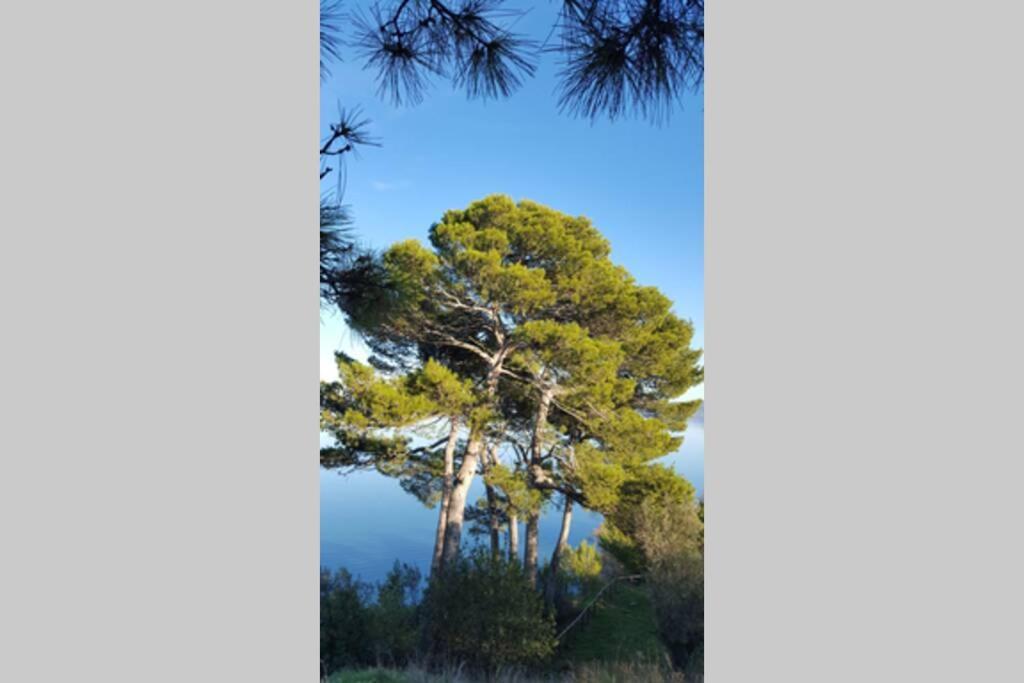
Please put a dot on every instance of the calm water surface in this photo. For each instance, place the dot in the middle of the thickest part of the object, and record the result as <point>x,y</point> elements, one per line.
<point>367,521</point>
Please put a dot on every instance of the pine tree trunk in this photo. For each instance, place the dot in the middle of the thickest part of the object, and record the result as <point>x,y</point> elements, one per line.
<point>540,419</point>
<point>460,491</point>
<point>513,538</point>
<point>493,523</point>
<point>563,542</point>
<point>446,496</point>
<point>533,520</point>
<point>532,536</point>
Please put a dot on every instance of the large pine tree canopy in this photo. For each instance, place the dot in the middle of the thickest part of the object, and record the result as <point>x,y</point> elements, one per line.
<point>512,326</point>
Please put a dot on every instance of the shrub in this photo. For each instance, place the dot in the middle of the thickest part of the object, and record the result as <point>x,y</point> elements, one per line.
<point>653,488</point>
<point>670,534</point>
<point>356,631</point>
<point>483,612</point>
<point>582,567</point>
<point>657,529</point>
<point>393,626</point>
<point>343,620</point>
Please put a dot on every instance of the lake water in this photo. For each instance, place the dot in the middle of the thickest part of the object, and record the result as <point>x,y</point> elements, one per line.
<point>367,521</point>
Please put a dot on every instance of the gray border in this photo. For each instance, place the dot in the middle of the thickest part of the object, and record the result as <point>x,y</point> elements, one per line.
<point>863,325</point>
<point>159,501</point>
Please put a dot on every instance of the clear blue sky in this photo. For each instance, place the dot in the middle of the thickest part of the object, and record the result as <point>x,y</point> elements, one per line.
<point>642,185</point>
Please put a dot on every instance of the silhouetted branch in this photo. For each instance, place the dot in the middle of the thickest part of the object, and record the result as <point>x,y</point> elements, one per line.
<point>618,56</point>
<point>409,41</point>
<point>629,55</point>
<point>331,19</point>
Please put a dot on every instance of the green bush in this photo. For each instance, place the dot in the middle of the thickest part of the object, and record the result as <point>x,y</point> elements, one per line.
<point>485,614</point>
<point>671,536</point>
<point>394,628</point>
<point>357,631</point>
<point>344,620</point>
<point>653,488</point>
<point>657,529</point>
<point>583,564</point>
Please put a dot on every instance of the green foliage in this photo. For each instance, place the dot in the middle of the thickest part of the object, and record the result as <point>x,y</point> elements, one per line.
<point>599,473</point>
<point>623,628</point>
<point>622,547</point>
<point>657,529</point>
<point>483,612</point>
<point>635,439</point>
<point>583,561</point>
<point>361,411</point>
<point>447,392</point>
<point>591,671</point>
<point>666,541</point>
<point>393,626</point>
<point>647,489</point>
<point>483,615</point>
<point>409,267</point>
<point>563,355</point>
<point>343,620</point>
<point>519,496</point>
<point>671,537</point>
<point>582,567</point>
<point>356,630</point>
<point>369,676</point>
<point>373,419</point>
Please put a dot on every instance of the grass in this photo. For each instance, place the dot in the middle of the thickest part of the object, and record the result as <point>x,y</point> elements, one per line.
<point>620,672</point>
<point>368,676</point>
<point>623,628</point>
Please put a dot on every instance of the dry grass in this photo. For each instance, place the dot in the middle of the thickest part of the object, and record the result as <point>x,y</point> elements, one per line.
<point>621,672</point>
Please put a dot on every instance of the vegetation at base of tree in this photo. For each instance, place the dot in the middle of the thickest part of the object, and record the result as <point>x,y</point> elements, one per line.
<point>482,612</point>
<point>615,672</point>
<point>626,533</point>
<point>362,624</point>
<point>663,536</point>
<point>671,536</point>
<point>581,569</point>
<point>482,619</point>
<point>623,628</point>
<point>483,616</point>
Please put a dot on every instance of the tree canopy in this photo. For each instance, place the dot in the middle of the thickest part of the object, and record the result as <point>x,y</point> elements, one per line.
<point>514,330</point>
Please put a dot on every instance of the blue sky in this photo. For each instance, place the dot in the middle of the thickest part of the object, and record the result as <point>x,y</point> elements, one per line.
<point>640,184</point>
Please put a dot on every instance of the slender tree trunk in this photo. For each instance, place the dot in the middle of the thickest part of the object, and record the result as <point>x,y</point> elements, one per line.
<point>532,522</point>
<point>493,524</point>
<point>540,419</point>
<point>563,542</point>
<point>532,536</point>
<point>460,491</point>
<point>446,496</point>
<point>513,537</point>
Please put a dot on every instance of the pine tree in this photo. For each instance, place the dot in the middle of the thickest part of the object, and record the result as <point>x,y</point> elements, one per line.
<point>517,329</point>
